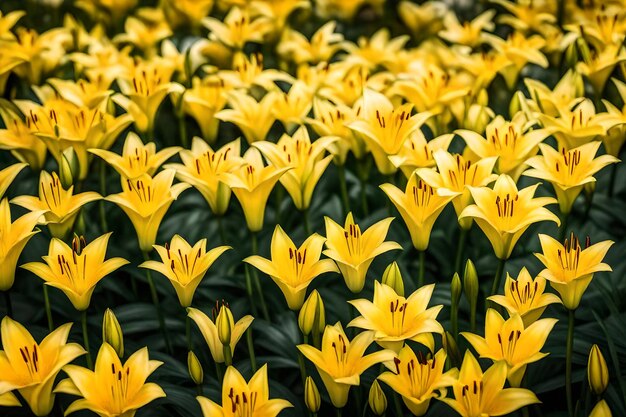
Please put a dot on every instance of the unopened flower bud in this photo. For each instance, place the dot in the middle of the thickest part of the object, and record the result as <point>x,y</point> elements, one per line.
<point>451,348</point>
<point>69,167</point>
<point>224,323</point>
<point>112,332</point>
<point>597,371</point>
<point>456,288</point>
<point>470,282</point>
<point>393,278</point>
<point>312,315</point>
<point>312,395</point>
<point>195,368</point>
<point>377,399</point>
<point>601,410</point>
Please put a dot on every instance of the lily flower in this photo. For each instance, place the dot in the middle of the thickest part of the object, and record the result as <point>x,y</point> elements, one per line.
<point>597,67</point>
<point>379,49</point>
<point>418,379</point>
<point>322,46</point>
<point>8,174</point>
<point>137,159</point>
<point>505,212</point>
<point>184,265</point>
<point>145,30</point>
<point>353,251</point>
<point>570,267</point>
<point>510,141</point>
<point>145,201</point>
<point>417,152</point>
<point>15,236</point>
<point>30,367</point>
<point>566,92</point>
<point>615,121</point>
<point>181,13</point>
<point>210,333</point>
<point>341,362</point>
<point>525,296</point>
<point>385,128</point>
<point>112,389</point>
<point>291,108</point>
<point>293,268</point>
<point>455,175</point>
<point>304,161</point>
<point>395,319</point>
<point>568,171</point>
<point>419,205</point>
<point>8,399</point>
<point>18,138</point>
<point>511,342</point>
<point>90,94</point>
<point>202,101</point>
<point>576,126</point>
<point>76,270</point>
<point>252,183</point>
<point>240,398</point>
<point>253,118</point>
<point>238,28</point>
<point>203,169</point>
<point>59,206</point>
<point>248,73</point>
<point>470,32</point>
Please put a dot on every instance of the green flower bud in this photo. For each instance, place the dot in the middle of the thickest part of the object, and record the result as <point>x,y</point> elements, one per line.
<point>312,315</point>
<point>456,288</point>
<point>393,278</point>
<point>112,332</point>
<point>597,371</point>
<point>224,323</point>
<point>195,368</point>
<point>69,167</point>
<point>451,348</point>
<point>470,282</point>
<point>377,399</point>
<point>601,410</point>
<point>312,395</point>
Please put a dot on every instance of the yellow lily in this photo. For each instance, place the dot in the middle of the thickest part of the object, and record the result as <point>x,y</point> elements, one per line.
<point>576,126</point>
<point>240,398</point>
<point>455,175</point>
<point>483,66</point>
<point>248,73</point>
<point>76,270</point>
<point>184,265</point>
<point>137,159</point>
<point>525,296</point>
<point>103,62</point>
<point>526,15</point>
<point>238,28</point>
<point>566,92</point>
<point>7,21</point>
<point>15,236</point>
<point>510,141</point>
<point>569,170</point>
<point>322,46</point>
<point>379,49</point>
<point>145,30</point>
<point>293,268</point>
<point>569,267</point>
<point>83,93</point>
<point>18,138</point>
<point>511,342</point>
<point>31,367</point>
<point>418,379</point>
<point>419,205</point>
<point>8,399</point>
<point>598,67</point>
<point>143,90</point>
<point>483,395</point>
<point>181,13</point>
<point>145,201</point>
<point>202,101</point>
<point>353,251</point>
<point>203,168</point>
<point>253,118</point>
<point>112,389</point>
<point>505,213</point>
<point>470,32</point>
<point>417,152</point>
<point>422,20</point>
<point>108,11</point>
<point>252,183</point>
<point>340,362</point>
<point>614,120</point>
<point>385,128</point>
<point>395,319</point>
<point>60,207</point>
<point>278,12</point>
<point>601,409</point>
<point>8,174</point>
<point>292,107</point>
<point>210,333</point>
<point>304,161</point>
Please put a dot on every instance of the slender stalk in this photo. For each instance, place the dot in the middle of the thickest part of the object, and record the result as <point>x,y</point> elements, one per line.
<point>473,316</point>
<point>568,362</point>
<point>8,303</point>
<point>157,305</point>
<point>454,318</point>
<point>497,277</point>
<point>307,224</point>
<point>257,283</point>
<point>422,268</point>
<point>612,180</point>
<point>563,227</point>
<point>255,311</point>
<point>460,249</point>
<point>338,412</point>
<point>220,229</point>
<point>182,127</point>
<point>86,338</point>
<point>103,191</point>
<point>343,188</point>
<point>228,355</point>
<point>188,332</point>
<point>302,367</point>
<point>280,193</point>
<point>363,195</point>
<point>46,301</point>
<point>251,349</point>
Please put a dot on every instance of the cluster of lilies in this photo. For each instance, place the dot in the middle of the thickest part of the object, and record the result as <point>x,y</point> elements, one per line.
<point>418,105</point>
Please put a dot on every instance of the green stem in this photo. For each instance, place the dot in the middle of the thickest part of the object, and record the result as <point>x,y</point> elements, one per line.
<point>307,224</point>
<point>220,229</point>
<point>46,300</point>
<point>397,404</point>
<point>563,228</point>
<point>182,127</point>
<point>228,355</point>
<point>454,318</point>
<point>188,332</point>
<point>473,316</point>
<point>8,303</point>
<point>103,191</point>
<point>612,180</point>
<point>338,412</point>
<point>422,269</point>
<point>157,305</point>
<point>497,277</point>
<point>460,249</point>
<point>86,338</point>
<point>343,188</point>
<point>257,282</point>
<point>251,349</point>
<point>255,312</point>
<point>568,362</point>
<point>280,193</point>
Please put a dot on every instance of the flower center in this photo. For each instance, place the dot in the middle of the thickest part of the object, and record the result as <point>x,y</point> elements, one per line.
<point>353,239</point>
<point>139,158</point>
<point>146,83</point>
<point>119,386</point>
<point>571,160</point>
<point>211,162</point>
<point>526,296</point>
<point>242,405</point>
<point>341,352</point>
<point>466,171</point>
<point>419,373</point>
<point>508,344</point>
<point>505,142</point>
<point>52,193</point>
<point>472,394</point>
<point>183,269</point>
<point>145,193</point>
<point>398,313</point>
<point>31,360</point>
<point>298,259</point>
<point>570,255</point>
<point>506,206</point>
<point>422,194</point>
<point>71,270</point>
